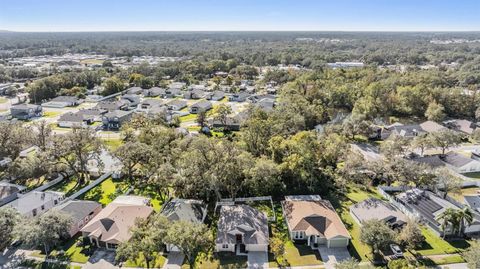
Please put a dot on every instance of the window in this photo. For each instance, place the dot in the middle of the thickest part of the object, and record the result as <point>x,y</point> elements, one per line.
<point>55,202</point>
<point>43,207</point>
<point>34,212</point>
<point>225,246</point>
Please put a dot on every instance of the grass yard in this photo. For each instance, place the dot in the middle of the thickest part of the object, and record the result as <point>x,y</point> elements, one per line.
<point>435,245</point>
<point>342,205</point>
<point>189,117</point>
<point>105,192</point>
<point>193,128</point>
<point>75,253</point>
<point>51,114</point>
<point>222,261</point>
<point>463,192</point>
<point>297,255</point>
<point>67,186</point>
<point>474,175</point>
<point>91,61</point>
<point>43,265</point>
<point>113,144</point>
<point>158,263</point>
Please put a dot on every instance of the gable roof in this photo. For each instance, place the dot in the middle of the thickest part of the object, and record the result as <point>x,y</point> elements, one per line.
<point>431,126</point>
<point>34,199</point>
<point>456,160</point>
<point>314,217</point>
<point>245,220</point>
<point>78,209</point>
<point>473,201</point>
<point>187,210</point>
<point>113,223</point>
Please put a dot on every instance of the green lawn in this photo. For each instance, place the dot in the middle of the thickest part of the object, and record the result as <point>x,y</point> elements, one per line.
<point>105,192</point>
<point>189,117</point>
<point>475,175</point>
<point>222,261</point>
<point>68,186</point>
<point>158,263</point>
<point>297,255</point>
<point>466,191</point>
<point>435,245</point>
<point>112,144</point>
<point>193,128</point>
<point>51,114</point>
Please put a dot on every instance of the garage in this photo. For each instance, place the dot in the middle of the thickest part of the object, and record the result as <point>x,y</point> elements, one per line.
<point>255,247</point>
<point>337,242</point>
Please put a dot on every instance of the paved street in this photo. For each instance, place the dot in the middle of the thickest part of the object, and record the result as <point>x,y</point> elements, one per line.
<point>330,256</point>
<point>174,260</point>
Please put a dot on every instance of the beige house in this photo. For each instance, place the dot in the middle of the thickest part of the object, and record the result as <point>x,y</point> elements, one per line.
<point>314,220</point>
<point>112,225</point>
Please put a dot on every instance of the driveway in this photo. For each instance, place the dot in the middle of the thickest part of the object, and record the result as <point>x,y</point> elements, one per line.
<point>102,254</point>
<point>257,259</point>
<point>174,260</point>
<point>330,256</point>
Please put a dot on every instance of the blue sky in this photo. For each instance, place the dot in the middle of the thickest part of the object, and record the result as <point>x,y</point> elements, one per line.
<point>240,15</point>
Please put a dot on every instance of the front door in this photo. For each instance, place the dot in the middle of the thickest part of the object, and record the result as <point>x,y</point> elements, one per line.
<point>239,238</point>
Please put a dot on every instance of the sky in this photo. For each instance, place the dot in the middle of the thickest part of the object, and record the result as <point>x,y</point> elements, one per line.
<point>239,15</point>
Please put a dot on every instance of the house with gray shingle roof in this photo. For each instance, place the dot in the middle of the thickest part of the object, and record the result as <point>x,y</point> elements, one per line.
<point>460,164</point>
<point>201,106</point>
<point>80,211</point>
<point>184,210</point>
<point>241,228</point>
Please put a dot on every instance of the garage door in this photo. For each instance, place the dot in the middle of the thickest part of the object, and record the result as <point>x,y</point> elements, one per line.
<point>336,243</point>
<point>256,247</point>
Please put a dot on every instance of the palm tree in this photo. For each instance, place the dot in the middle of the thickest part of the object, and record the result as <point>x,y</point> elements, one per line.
<point>447,218</point>
<point>464,218</point>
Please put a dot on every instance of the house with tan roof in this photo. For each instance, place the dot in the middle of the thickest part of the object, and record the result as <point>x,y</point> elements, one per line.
<point>112,225</point>
<point>314,220</point>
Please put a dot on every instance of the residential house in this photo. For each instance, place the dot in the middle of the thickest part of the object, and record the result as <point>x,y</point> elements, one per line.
<point>173,92</point>
<point>427,206</point>
<point>114,120</point>
<point>215,95</point>
<point>133,99</point>
<point>35,203</point>
<point>373,208</point>
<point>314,220</point>
<point>70,119</point>
<point>122,104</point>
<point>460,163</point>
<point>106,163</point>
<point>134,90</point>
<point>473,201</point>
<point>177,85</point>
<point>195,94</point>
<point>154,92</point>
<point>80,211</point>
<point>63,101</point>
<point>184,210</point>
<point>201,106</point>
<point>241,228</point>
<point>432,127</point>
<point>112,225</point>
<point>238,97</point>
<point>233,123</point>
<point>150,103</point>
<point>177,105</point>
<point>26,111</point>
<point>9,192</point>
<point>463,126</point>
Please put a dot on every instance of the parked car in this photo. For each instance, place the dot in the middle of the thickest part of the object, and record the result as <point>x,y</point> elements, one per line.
<point>397,251</point>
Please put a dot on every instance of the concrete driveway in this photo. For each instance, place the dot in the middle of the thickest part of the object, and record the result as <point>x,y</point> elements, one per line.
<point>174,260</point>
<point>257,259</point>
<point>330,256</point>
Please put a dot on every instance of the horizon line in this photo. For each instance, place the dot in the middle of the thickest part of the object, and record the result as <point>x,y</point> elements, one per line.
<point>244,31</point>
